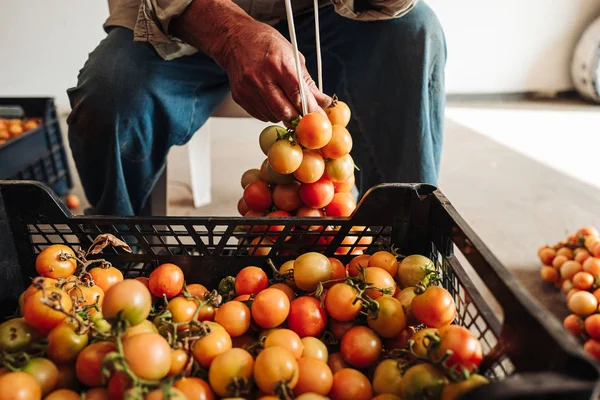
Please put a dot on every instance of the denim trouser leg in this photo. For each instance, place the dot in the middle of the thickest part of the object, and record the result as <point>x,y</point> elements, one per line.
<point>391,75</point>
<point>129,107</point>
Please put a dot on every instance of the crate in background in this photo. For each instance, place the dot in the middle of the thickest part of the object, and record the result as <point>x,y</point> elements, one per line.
<point>38,154</point>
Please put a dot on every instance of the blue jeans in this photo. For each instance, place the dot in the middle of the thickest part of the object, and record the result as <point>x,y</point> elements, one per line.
<point>130,106</point>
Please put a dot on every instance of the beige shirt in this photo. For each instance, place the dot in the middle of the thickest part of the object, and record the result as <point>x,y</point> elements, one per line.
<point>149,19</point>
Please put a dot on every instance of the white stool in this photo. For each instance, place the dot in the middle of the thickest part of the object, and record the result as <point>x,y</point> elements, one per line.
<point>200,162</point>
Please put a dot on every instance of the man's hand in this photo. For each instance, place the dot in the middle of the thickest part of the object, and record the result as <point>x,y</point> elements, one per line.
<point>259,60</point>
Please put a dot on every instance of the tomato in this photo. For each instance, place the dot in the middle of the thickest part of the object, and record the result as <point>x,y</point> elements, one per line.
<point>227,368</point>
<point>435,307</point>
<point>314,348</point>
<point>583,280</point>
<point>357,264</point>
<point>64,344</point>
<point>17,335</point>
<point>249,176</point>
<point>350,384</point>
<point>340,169</point>
<point>549,274</point>
<point>194,388</point>
<point>97,394</point>
<point>287,197</point>
<point>161,394</point>
<point>411,270</point>
<point>66,377</point>
<point>569,268</point>
<point>167,280</point>
<point>384,260</point>
<point>592,326</point>
<point>387,396</point>
<point>465,348</point>
<point>143,327</point>
<point>242,207</point>
<point>592,265</point>
<point>196,289</point>
<point>405,297</point>
<point>422,381</point>
<point>118,384</point>
<point>310,269</point>
<point>269,136</point>
<point>251,280</point>
<point>19,386</point>
<point>260,246</point>
<point>234,316</point>
<point>285,338</point>
<point>379,279</point>
<point>270,308</point>
<point>338,270</point>
<point>312,167</point>
<point>64,394</point>
<point>336,362</point>
<point>339,145</point>
<point>288,291</point>
<point>387,378</point>
<point>399,341</point>
<point>182,310</point>
<point>582,256</point>
<point>317,194</point>
<point>582,303</point>
<point>285,269</point>
<point>105,277</point>
<point>342,205</point>
<point>307,317</point>
<point>592,346</point>
<point>130,298</point>
<point>314,131</point>
<point>566,286</point>
<point>272,177</point>
<point>422,340</point>
<point>277,228</point>
<point>44,282</point>
<point>40,315</point>
<point>360,347</point>
<point>455,390</point>
<point>338,328</point>
<point>390,319</point>
<point>274,367</point>
<point>208,347</point>
<point>257,196</point>
<point>89,362</point>
<point>346,186</point>
<point>310,396</point>
<point>547,255</point>
<point>338,113</point>
<point>56,261</point>
<point>565,251</point>
<point>315,376</point>
<point>179,359</point>
<point>44,372</point>
<point>306,211</point>
<point>341,302</point>
<point>596,294</point>
<point>148,355</point>
<point>559,261</point>
<point>574,324</point>
<point>88,296</point>
<point>285,157</point>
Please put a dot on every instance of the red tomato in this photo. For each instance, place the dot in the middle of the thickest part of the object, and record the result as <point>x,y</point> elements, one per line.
<point>592,326</point>
<point>466,350</point>
<point>350,384</point>
<point>257,196</point>
<point>360,347</point>
<point>339,270</point>
<point>342,205</point>
<point>307,317</point>
<point>270,308</point>
<point>574,324</point>
<point>338,328</point>
<point>287,197</point>
<point>167,280</point>
<point>346,186</point>
<point>89,363</point>
<point>592,346</point>
<point>317,194</point>
<point>358,263</point>
<point>251,280</point>
<point>242,207</point>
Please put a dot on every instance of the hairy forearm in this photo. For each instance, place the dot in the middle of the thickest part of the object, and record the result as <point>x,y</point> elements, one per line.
<point>209,25</point>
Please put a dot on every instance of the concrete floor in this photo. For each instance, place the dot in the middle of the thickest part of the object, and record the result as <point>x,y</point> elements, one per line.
<point>513,201</point>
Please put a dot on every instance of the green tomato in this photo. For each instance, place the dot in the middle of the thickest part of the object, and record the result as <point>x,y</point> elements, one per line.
<point>16,335</point>
<point>423,381</point>
<point>269,136</point>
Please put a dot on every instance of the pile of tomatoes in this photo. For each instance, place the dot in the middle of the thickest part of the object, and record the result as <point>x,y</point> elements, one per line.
<point>11,128</point>
<point>573,266</point>
<point>308,170</point>
<point>376,328</point>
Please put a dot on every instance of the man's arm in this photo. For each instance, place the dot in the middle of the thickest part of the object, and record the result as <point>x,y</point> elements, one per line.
<point>259,60</point>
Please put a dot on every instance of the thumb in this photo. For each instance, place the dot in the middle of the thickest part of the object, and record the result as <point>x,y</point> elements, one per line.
<point>322,99</point>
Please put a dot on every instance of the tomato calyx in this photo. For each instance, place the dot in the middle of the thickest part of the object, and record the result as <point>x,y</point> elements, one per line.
<point>239,386</point>
<point>432,277</point>
<point>283,391</point>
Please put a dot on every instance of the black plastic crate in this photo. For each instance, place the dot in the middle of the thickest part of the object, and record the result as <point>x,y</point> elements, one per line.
<point>38,154</point>
<point>527,352</point>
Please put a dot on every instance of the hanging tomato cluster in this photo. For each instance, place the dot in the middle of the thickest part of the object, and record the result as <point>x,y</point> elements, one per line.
<point>573,266</point>
<point>375,328</point>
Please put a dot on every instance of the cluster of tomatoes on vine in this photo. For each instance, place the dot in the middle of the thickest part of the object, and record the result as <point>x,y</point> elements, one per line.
<point>375,328</point>
<point>308,170</point>
<point>573,266</point>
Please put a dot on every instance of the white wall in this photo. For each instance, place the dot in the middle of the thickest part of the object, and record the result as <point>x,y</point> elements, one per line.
<point>511,45</point>
<point>494,46</point>
<point>44,43</point>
